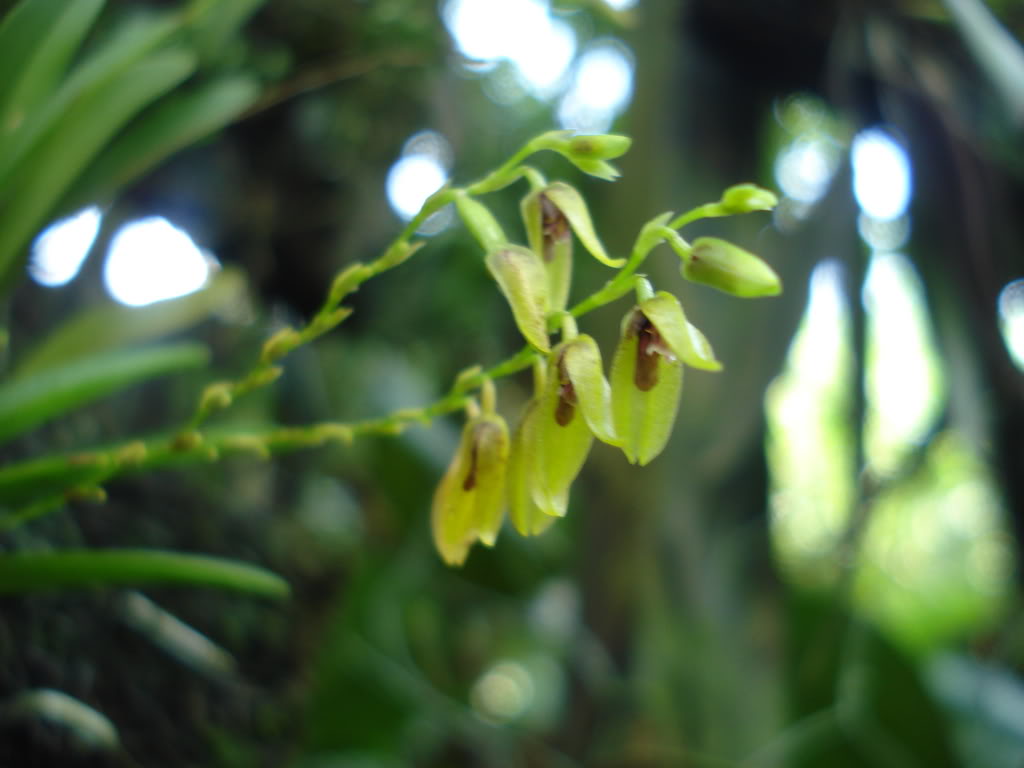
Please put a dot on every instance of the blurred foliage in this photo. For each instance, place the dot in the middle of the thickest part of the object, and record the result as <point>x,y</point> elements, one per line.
<point>664,621</point>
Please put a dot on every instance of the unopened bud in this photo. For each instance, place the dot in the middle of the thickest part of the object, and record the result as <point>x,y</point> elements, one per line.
<point>729,268</point>
<point>215,397</point>
<point>398,253</point>
<point>89,494</point>
<point>279,345</point>
<point>605,146</point>
<point>588,153</point>
<point>744,198</point>
<point>132,454</point>
<point>347,281</point>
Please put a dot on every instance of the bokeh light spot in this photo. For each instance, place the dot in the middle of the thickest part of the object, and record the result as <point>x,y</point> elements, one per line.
<point>904,385</point>
<point>884,234</point>
<point>522,32</point>
<point>804,169</point>
<point>58,253</point>
<point>881,174</point>
<point>411,181</point>
<point>503,693</point>
<point>416,175</point>
<point>152,260</point>
<point>1011,320</point>
<point>601,89</point>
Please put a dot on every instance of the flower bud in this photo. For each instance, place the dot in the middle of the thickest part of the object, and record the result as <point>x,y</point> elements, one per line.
<point>521,276</point>
<point>470,500</point>
<point>279,345</point>
<point>216,397</point>
<point>647,377</point>
<point>349,279</point>
<point>398,253</point>
<point>605,146</point>
<point>588,153</point>
<point>745,198</point>
<point>730,269</point>
<point>481,222</point>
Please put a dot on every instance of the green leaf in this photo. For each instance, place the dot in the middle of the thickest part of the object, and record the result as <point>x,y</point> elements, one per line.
<point>77,569</point>
<point>50,153</point>
<point>174,123</point>
<point>30,401</point>
<point>131,43</point>
<point>100,329</point>
<point>216,22</point>
<point>37,41</point>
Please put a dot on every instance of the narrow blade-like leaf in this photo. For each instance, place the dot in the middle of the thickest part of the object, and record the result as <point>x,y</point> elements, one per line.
<point>33,400</point>
<point>77,569</point>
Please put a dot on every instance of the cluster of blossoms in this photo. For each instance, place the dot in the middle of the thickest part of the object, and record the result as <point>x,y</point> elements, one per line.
<point>529,472</point>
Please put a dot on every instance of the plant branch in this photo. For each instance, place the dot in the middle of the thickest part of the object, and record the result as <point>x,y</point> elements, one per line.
<point>33,488</point>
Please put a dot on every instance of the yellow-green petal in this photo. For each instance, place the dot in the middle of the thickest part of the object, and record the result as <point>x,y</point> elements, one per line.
<point>526,516</point>
<point>645,399</point>
<point>561,442</point>
<point>492,451</point>
<point>581,359</point>
<point>547,232</point>
<point>521,276</point>
<point>469,502</point>
<point>452,508</point>
<point>683,339</point>
<point>572,205</point>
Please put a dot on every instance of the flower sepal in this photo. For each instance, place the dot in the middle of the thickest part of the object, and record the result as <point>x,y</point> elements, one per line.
<point>469,503</point>
<point>523,281</point>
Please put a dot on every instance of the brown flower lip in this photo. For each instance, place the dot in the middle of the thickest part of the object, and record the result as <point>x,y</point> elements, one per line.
<point>566,408</point>
<point>650,346</point>
<point>554,226</point>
